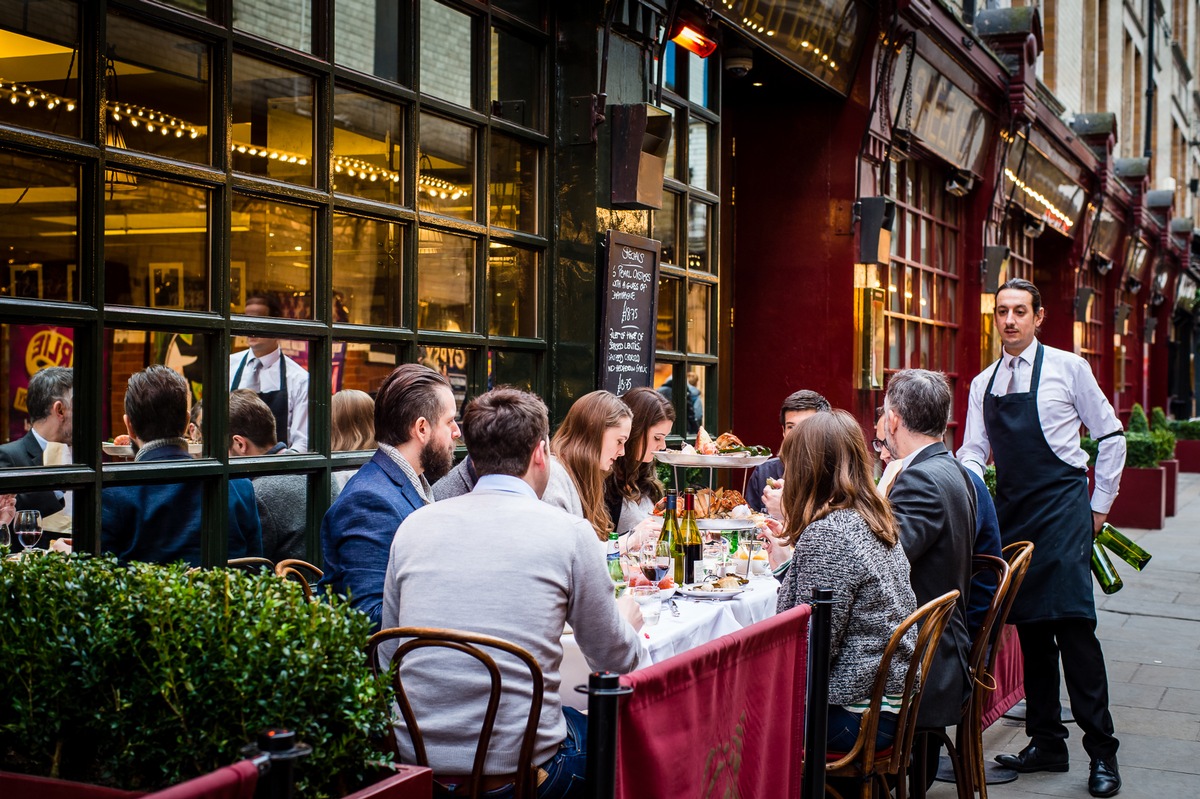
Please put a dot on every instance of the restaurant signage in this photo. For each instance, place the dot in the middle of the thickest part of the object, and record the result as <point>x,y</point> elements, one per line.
<point>31,349</point>
<point>628,313</point>
<point>942,116</point>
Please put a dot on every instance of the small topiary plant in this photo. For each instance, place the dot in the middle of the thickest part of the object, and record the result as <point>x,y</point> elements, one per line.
<point>1137,420</point>
<point>143,676</point>
<point>1158,419</point>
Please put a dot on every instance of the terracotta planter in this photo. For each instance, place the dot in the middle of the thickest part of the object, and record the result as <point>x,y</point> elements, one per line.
<point>1188,454</point>
<point>1171,468</point>
<point>1142,501</point>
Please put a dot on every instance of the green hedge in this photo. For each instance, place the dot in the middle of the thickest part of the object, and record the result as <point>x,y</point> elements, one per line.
<point>1186,430</point>
<point>1142,450</point>
<point>143,676</point>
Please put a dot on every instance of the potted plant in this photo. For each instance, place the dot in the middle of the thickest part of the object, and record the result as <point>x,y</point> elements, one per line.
<point>1187,444</point>
<point>139,677</point>
<point>1142,500</point>
<point>1164,446</point>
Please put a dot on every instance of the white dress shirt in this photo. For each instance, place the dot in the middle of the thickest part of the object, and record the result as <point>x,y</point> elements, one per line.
<point>268,380</point>
<point>1068,396</point>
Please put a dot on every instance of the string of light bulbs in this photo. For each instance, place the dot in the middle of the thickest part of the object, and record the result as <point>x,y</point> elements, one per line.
<point>1057,215</point>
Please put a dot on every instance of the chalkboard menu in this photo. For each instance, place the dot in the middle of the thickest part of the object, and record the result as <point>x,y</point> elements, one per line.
<point>628,313</point>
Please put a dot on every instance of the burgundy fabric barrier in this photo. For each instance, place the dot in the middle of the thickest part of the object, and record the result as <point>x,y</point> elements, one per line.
<point>231,782</point>
<point>724,719</point>
<point>1010,677</point>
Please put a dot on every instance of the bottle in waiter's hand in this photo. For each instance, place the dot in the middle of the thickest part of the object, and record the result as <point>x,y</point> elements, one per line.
<point>1122,547</point>
<point>1106,573</point>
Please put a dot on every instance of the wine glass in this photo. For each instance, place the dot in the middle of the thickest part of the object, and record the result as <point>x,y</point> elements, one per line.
<point>751,544</point>
<point>28,527</point>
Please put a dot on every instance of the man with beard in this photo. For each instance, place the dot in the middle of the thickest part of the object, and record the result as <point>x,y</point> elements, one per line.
<point>415,430</point>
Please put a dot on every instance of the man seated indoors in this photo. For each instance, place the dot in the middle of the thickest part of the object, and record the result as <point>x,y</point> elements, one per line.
<point>161,523</point>
<point>500,562</point>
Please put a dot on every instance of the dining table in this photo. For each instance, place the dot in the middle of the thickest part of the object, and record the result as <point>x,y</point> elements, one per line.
<point>685,623</point>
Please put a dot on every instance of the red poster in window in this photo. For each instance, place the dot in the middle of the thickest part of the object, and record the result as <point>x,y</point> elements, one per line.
<point>31,349</point>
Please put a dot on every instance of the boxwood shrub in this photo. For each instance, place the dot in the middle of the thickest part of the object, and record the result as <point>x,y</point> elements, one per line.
<point>142,676</point>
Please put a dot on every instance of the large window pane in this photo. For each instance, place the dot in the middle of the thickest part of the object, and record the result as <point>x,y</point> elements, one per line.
<point>39,234</point>
<point>271,250</point>
<point>367,271</point>
<point>368,147</point>
<point>517,369</point>
<point>28,349</point>
<point>289,24</point>
<point>39,64</point>
<point>698,161</point>
<point>272,121</point>
<point>445,282</point>
<point>698,236</point>
<point>446,172</point>
<point>131,351</point>
<point>666,324</point>
<point>512,291</point>
<point>362,366</point>
<point>698,72</point>
<point>274,368</point>
<point>665,228</point>
<point>512,189</point>
<point>454,364</point>
<point>671,169</point>
<point>158,91</point>
<point>156,238</point>
<point>699,301</point>
<point>367,37</point>
<point>516,79</point>
<point>447,45</point>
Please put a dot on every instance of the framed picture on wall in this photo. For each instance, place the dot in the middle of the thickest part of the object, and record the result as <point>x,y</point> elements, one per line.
<point>25,280</point>
<point>166,285</point>
<point>237,286</point>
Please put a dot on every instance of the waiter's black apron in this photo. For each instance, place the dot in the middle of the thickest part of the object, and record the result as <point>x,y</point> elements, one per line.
<point>1040,498</point>
<point>276,400</point>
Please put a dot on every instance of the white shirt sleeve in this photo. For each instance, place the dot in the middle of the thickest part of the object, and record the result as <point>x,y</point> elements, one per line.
<point>1098,417</point>
<point>297,388</point>
<point>976,450</point>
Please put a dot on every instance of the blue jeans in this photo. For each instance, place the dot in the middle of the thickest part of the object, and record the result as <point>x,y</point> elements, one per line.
<point>844,726</point>
<point>566,769</point>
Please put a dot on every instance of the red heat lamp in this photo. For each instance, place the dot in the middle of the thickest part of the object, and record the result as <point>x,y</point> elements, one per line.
<point>694,36</point>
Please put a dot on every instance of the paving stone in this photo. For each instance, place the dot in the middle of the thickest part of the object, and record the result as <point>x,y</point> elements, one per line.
<point>1166,676</point>
<point>1181,699</point>
<point>1131,695</point>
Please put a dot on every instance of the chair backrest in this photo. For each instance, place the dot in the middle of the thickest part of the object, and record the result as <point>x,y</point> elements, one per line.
<point>930,620</point>
<point>989,631</point>
<point>250,564</point>
<point>473,645</point>
<point>1018,554</point>
<point>301,571</point>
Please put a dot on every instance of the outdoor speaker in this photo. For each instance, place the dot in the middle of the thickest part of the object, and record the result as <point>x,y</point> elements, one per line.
<point>995,267</point>
<point>1151,324</point>
<point>874,217</point>
<point>641,134</point>
<point>1120,314</point>
<point>1083,302</point>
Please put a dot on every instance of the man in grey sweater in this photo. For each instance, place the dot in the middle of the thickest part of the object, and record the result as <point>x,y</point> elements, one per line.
<point>500,562</point>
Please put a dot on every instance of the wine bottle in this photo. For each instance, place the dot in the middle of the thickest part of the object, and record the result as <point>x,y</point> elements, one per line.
<point>1118,544</point>
<point>691,545</point>
<point>1106,573</point>
<point>613,559</point>
<point>666,540</point>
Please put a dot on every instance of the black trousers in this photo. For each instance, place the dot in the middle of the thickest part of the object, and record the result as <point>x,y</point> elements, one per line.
<point>1074,640</point>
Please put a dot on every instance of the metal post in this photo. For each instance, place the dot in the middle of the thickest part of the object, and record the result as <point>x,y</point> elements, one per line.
<point>281,750</point>
<point>816,702</point>
<point>604,690</point>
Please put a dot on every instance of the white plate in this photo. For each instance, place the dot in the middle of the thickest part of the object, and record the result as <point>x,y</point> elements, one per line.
<point>674,457</point>
<point>126,451</point>
<point>725,524</point>
<point>719,593</point>
<point>664,593</point>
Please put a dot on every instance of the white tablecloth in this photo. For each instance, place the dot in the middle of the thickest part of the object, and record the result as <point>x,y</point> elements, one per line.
<point>698,622</point>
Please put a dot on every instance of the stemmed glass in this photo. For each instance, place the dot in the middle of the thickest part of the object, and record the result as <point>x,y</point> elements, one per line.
<point>750,544</point>
<point>28,527</point>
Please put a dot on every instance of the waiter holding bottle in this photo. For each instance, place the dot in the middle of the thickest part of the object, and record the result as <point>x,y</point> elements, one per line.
<point>1025,412</point>
<point>277,379</point>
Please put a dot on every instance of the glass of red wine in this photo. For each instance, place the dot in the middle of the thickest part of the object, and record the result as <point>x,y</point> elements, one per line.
<point>28,527</point>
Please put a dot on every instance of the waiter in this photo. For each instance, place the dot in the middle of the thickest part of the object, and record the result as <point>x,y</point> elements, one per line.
<point>277,379</point>
<point>1025,412</point>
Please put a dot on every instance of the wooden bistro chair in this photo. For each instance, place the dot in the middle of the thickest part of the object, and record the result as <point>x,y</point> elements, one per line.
<point>862,761</point>
<point>251,564</point>
<point>301,571</point>
<point>472,645</point>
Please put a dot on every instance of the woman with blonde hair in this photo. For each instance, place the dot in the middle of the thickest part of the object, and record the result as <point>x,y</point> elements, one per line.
<point>353,416</point>
<point>590,440</point>
<point>846,538</point>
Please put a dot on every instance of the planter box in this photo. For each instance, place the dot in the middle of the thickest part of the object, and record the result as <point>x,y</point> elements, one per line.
<point>409,782</point>
<point>1188,454</point>
<point>1171,468</point>
<point>1142,501</point>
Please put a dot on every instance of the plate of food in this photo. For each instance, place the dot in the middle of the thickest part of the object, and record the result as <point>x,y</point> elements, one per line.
<point>720,510</point>
<point>726,588</point>
<point>726,450</point>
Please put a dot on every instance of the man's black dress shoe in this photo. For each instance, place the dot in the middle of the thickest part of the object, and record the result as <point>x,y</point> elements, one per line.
<point>1034,758</point>
<point>1104,779</point>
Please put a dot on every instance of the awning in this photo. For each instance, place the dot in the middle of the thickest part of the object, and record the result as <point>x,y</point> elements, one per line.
<point>1038,183</point>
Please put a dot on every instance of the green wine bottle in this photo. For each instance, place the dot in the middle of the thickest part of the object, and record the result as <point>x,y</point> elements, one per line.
<point>665,549</point>
<point>1118,544</point>
<point>1106,573</point>
<point>691,545</point>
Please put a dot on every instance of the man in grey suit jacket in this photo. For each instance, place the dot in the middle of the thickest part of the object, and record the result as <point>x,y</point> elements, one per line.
<point>934,500</point>
<point>49,402</point>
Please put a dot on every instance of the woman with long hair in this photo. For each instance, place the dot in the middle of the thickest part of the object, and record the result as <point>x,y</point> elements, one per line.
<point>353,416</point>
<point>590,440</point>
<point>846,538</point>
<point>632,488</point>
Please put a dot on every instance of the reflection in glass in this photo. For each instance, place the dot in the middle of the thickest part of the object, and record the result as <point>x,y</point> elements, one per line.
<point>670,59</point>
<point>155,243</point>
<point>368,147</point>
<point>699,302</point>
<point>33,348</point>
<point>38,237</point>
<point>698,134</point>
<point>668,305</point>
<point>447,45</point>
<point>665,228</point>
<point>289,24</point>
<point>158,91</point>
<point>512,291</point>
<point>271,250</point>
<point>512,189</point>
<point>366,37</point>
<point>132,351</point>
<point>39,62</point>
<point>698,236</point>
<point>446,170</point>
<point>516,79</point>
<point>454,364</point>
<point>516,369</point>
<point>367,259</point>
<point>275,369</point>
<point>445,282</point>
<point>697,79</point>
<point>272,131</point>
<point>670,169</point>
<point>362,366</point>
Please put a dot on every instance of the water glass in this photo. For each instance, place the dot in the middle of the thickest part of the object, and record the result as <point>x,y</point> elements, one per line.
<point>649,599</point>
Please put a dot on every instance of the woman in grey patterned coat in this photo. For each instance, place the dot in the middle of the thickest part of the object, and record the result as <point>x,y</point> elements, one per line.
<point>845,538</point>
